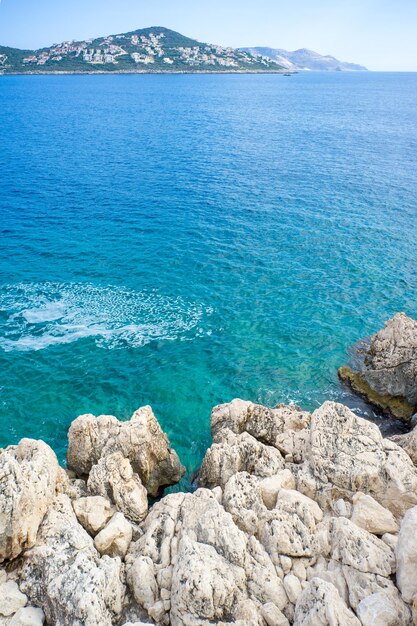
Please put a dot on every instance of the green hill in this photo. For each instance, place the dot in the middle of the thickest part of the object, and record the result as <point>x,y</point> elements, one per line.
<point>154,49</point>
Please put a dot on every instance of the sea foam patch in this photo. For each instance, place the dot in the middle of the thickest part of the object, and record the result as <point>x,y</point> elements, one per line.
<point>35,316</point>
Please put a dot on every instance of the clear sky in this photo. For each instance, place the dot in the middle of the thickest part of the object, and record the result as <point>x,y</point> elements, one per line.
<point>381,34</point>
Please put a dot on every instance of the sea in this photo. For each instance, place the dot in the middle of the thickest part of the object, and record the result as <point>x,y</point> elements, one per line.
<point>183,240</point>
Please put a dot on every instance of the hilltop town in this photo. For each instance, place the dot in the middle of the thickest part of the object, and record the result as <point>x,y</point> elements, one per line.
<point>148,50</point>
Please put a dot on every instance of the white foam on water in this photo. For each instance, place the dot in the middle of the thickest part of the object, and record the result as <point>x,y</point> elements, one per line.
<point>36,316</point>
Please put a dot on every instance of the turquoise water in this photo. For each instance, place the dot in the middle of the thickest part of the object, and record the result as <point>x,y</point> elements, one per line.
<point>183,240</point>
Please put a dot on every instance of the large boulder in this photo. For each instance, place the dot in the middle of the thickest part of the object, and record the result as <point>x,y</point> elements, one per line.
<point>233,453</point>
<point>113,478</point>
<point>348,454</point>
<point>406,553</point>
<point>194,566</point>
<point>29,478</point>
<point>140,440</point>
<point>388,375</point>
<point>321,605</point>
<point>64,575</point>
<point>93,512</point>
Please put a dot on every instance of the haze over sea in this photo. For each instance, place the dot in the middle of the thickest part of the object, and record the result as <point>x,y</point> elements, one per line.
<point>181,240</point>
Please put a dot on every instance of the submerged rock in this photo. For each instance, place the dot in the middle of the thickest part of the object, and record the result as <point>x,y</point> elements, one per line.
<point>388,378</point>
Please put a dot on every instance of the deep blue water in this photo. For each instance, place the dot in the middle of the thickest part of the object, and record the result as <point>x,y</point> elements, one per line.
<point>183,240</point>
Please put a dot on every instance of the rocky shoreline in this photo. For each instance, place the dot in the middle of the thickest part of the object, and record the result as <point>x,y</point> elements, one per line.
<point>299,519</point>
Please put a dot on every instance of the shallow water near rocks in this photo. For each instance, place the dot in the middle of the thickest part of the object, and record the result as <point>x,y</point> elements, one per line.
<point>183,240</point>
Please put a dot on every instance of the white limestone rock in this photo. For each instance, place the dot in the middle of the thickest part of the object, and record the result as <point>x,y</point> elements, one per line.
<point>390,363</point>
<point>406,555</point>
<point>292,587</point>
<point>64,575</point>
<point>321,605</point>
<point>360,585</point>
<point>348,454</point>
<point>356,547</point>
<point>194,566</point>
<point>273,616</point>
<point>408,442</point>
<point>369,514</point>
<point>113,478</point>
<point>114,539</point>
<point>93,513</point>
<point>265,424</point>
<point>270,486</point>
<point>11,598</point>
<point>28,616</point>
<point>141,440</point>
<point>29,478</point>
<point>242,498</point>
<point>378,609</point>
<point>232,453</point>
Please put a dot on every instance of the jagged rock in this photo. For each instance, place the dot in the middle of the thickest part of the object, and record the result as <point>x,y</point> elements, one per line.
<point>238,453</point>
<point>141,440</point>
<point>242,498</point>
<point>391,363</point>
<point>370,515</point>
<point>361,585</point>
<point>28,616</point>
<point>93,512</point>
<point>408,442</point>
<point>360,549</point>
<point>389,373</point>
<point>406,554</point>
<point>114,539</point>
<point>273,616</point>
<point>76,489</point>
<point>29,478</point>
<point>263,423</point>
<point>194,566</point>
<point>11,598</point>
<point>64,575</point>
<point>393,406</point>
<point>113,478</point>
<point>289,529</point>
<point>379,610</point>
<point>321,605</point>
<point>348,454</point>
<point>332,572</point>
<point>270,486</point>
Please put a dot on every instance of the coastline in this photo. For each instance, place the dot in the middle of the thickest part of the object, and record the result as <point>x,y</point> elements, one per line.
<point>294,515</point>
<point>103,72</point>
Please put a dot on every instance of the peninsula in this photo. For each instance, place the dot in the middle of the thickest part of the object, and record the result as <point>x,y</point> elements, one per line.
<point>149,50</point>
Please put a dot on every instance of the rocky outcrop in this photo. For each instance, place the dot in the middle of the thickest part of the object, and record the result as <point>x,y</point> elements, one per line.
<point>65,576</point>
<point>388,376</point>
<point>113,478</point>
<point>140,440</point>
<point>29,478</point>
<point>299,520</point>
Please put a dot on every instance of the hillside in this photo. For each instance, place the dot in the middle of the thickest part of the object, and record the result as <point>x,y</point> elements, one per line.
<point>304,59</point>
<point>154,49</point>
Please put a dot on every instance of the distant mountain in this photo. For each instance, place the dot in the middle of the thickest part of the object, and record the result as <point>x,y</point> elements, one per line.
<point>304,59</point>
<point>155,49</point>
